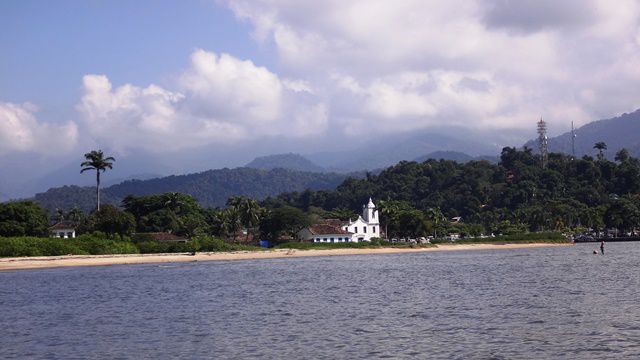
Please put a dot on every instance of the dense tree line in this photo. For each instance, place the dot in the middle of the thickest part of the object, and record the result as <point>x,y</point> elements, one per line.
<point>415,199</point>
<point>516,194</point>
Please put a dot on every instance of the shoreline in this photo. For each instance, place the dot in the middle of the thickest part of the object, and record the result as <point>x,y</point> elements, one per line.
<point>24,263</point>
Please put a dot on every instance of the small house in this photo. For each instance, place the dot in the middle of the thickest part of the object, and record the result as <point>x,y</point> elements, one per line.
<point>63,230</point>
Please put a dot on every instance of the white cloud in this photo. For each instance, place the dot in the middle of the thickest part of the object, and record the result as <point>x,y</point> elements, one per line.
<point>533,58</point>
<point>21,131</point>
<point>218,99</point>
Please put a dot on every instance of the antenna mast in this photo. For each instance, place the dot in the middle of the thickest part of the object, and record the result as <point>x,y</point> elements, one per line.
<point>542,143</point>
<point>573,141</point>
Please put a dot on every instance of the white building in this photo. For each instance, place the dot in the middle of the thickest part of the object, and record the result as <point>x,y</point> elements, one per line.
<point>65,230</point>
<point>364,228</point>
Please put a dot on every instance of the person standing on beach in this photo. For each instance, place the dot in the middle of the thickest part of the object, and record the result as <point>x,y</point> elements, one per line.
<point>602,247</point>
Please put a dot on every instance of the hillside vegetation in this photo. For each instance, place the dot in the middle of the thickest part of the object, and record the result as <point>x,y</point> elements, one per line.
<point>284,161</point>
<point>209,188</point>
<point>516,194</point>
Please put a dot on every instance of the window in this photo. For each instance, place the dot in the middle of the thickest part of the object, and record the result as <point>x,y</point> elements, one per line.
<point>364,229</point>
<point>355,229</point>
<point>374,230</point>
<point>331,239</point>
<point>373,215</point>
<point>324,239</point>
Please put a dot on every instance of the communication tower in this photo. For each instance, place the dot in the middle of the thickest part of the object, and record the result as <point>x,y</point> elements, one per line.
<point>542,143</point>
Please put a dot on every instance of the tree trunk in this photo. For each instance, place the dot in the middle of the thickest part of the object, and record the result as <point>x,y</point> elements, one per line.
<point>98,189</point>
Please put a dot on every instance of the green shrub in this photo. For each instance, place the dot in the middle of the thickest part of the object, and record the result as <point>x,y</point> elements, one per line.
<point>83,245</point>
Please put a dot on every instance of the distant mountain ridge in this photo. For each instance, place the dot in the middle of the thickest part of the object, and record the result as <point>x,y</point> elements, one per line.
<point>456,156</point>
<point>289,161</point>
<point>210,188</point>
<point>383,153</point>
<point>618,132</point>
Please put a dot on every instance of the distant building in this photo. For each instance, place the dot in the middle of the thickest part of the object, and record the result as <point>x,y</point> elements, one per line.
<point>364,228</point>
<point>63,230</point>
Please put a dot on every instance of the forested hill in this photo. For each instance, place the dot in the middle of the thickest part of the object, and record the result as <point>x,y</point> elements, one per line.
<point>455,156</point>
<point>210,188</point>
<point>284,161</point>
<point>516,192</point>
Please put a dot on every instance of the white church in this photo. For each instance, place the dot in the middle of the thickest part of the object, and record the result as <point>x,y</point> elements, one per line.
<point>364,228</point>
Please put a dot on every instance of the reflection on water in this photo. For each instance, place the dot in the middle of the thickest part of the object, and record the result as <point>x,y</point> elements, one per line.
<point>526,303</point>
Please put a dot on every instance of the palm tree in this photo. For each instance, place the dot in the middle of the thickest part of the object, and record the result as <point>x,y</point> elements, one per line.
<point>96,161</point>
<point>76,215</point>
<point>59,216</point>
<point>389,211</point>
<point>231,221</point>
<point>435,215</point>
<point>173,201</point>
<point>249,211</point>
<point>601,146</point>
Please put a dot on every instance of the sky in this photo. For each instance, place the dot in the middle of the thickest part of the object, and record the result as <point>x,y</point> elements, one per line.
<point>167,77</point>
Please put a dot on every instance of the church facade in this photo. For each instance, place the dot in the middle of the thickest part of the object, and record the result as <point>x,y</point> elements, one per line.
<point>364,228</point>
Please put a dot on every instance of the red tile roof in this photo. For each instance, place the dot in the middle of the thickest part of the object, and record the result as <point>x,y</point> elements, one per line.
<point>334,222</point>
<point>326,229</point>
<point>64,225</point>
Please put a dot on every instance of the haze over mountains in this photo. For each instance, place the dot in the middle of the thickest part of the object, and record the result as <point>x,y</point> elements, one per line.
<point>378,153</point>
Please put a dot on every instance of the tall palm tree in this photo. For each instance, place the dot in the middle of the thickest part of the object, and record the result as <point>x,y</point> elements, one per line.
<point>601,146</point>
<point>250,213</point>
<point>435,215</point>
<point>96,161</point>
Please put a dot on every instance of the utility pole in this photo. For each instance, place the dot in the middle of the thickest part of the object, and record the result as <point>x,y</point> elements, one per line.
<point>542,143</point>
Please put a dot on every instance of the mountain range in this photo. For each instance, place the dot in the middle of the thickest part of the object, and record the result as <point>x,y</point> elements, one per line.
<point>143,174</point>
<point>618,132</point>
<point>210,188</point>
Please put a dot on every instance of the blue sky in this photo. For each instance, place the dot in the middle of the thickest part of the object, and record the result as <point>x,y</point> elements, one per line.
<point>50,45</point>
<point>303,76</point>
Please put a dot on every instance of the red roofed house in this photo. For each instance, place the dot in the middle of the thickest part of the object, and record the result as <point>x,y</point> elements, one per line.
<point>325,233</point>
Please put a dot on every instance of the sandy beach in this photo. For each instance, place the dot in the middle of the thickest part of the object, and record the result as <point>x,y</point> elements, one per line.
<point>101,260</point>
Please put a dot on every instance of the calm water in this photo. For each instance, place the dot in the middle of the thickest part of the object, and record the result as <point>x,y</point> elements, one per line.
<point>507,304</point>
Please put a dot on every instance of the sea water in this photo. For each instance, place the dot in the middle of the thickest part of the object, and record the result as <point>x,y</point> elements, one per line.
<point>536,303</point>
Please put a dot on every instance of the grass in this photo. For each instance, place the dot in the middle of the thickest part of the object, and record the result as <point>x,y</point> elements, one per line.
<point>98,244</point>
<point>360,245</point>
<point>527,238</point>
